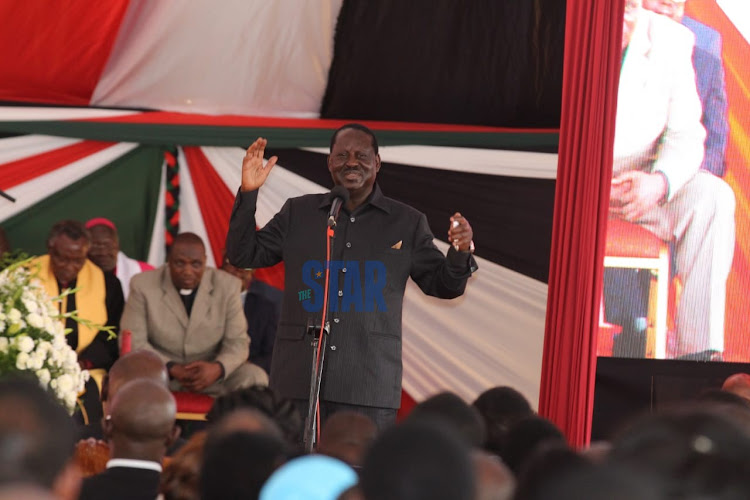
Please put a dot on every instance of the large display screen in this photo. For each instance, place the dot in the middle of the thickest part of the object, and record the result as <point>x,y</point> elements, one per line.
<point>677,265</point>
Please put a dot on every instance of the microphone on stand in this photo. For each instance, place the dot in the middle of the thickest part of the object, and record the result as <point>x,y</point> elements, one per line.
<point>339,195</point>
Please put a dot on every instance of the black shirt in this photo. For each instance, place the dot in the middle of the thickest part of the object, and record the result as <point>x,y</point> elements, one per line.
<point>380,235</point>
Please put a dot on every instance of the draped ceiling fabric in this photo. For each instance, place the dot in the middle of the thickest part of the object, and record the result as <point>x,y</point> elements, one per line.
<point>140,78</point>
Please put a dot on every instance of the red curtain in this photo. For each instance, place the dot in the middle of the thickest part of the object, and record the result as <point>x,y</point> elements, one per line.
<point>591,70</point>
<point>55,52</point>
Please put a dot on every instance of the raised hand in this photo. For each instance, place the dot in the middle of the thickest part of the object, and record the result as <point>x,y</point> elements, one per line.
<point>254,172</point>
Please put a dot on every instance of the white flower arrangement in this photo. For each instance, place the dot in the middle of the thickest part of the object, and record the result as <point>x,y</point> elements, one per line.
<point>32,336</point>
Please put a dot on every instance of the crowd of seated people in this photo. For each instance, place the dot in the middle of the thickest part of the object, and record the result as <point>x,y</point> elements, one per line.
<point>493,449</point>
<point>193,318</point>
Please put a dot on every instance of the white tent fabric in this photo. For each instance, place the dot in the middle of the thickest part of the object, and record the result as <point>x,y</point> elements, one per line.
<point>205,58</point>
<point>28,113</point>
<point>469,160</point>
<point>191,219</point>
<point>157,251</point>
<point>16,148</point>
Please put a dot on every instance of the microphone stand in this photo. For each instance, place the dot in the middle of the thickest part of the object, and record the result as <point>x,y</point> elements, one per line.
<point>319,345</point>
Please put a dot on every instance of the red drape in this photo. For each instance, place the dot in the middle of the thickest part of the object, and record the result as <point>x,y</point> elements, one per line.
<point>56,51</point>
<point>591,70</point>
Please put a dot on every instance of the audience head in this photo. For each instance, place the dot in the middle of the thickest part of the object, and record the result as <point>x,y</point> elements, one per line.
<point>738,384</point>
<point>525,436</point>
<point>720,397</point>
<point>674,9</point>
<point>187,261</point>
<point>236,465</point>
<point>500,407</point>
<point>347,435</point>
<point>454,413</point>
<point>141,423</point>
<point>494,480</point>
<point>418,461</point>
<point>691,453</point>
<point>37,439</point>
<point>264,399</point>
<point>105,243</point>
<point>246,420</point>
<point>245,275</point>
<point>180,478</point>
<point>355,126</point>
<point>134,365</point>
<point>67,245</point>
<point>312,477</point>
<point>560,474</point>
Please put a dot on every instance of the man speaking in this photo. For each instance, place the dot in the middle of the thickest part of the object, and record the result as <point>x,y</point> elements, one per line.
<point>379,243</point>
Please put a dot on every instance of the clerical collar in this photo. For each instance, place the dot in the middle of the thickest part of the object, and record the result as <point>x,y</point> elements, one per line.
<point>186,291</point>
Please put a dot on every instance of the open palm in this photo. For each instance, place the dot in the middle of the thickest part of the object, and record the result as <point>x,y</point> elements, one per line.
<point>254,172</point>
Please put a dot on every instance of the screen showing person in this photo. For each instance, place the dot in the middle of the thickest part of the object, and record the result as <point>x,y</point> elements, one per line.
<point>673,282</point>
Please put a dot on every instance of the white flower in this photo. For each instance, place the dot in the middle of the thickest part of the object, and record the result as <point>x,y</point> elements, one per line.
<point>24,343</point>
<point>22,360</point>
<point>35,362</point>
<point>58,343</point>
<point>71,357</point>
<point>30,305</point>
<point>44,377</point>
<point>65,383</point>
<point>35,320</point>
<point>14,315</point>
<point>43,347</point>
<point>70,401</point>
<point>47,356</point>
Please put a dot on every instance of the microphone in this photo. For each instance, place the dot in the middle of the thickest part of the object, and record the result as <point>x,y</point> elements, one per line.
<point>339,195</point>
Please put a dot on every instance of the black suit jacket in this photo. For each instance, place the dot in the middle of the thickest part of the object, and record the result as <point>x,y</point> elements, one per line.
<point>382,234</point>
<point>121,483</point>
<point>262,316</point>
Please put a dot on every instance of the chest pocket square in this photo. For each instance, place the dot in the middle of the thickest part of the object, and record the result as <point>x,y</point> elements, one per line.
<point>397,245</point>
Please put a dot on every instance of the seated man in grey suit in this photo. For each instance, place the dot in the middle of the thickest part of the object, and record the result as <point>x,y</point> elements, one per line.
<point>192,317</point>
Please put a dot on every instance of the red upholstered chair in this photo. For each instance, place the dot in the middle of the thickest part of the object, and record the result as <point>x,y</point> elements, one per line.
<point>190,405</point>
<point>631,246</point>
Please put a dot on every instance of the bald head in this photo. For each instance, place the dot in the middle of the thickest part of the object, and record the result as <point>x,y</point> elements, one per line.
<point>347,435</point>
<point>135,365</point>
<point>739,384</point>
<point>142,411</point>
